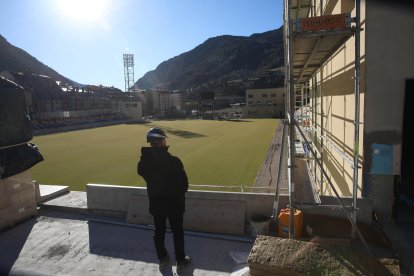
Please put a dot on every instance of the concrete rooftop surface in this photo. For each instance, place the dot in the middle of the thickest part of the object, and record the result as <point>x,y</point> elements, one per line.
<point>66,239</point>
<point>64,243</point>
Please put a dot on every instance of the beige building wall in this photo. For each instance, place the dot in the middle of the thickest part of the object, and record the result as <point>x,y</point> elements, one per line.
<point>132,110</point>
<point>176,101</point>
<point>269,102</point>
<point>387,59</point>
<point>161,101</point>
<point>332,96</point>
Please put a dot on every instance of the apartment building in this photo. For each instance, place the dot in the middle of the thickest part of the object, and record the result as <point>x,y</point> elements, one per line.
<point>176,100</point>
<point>53,102</point>
<point>161,101</point>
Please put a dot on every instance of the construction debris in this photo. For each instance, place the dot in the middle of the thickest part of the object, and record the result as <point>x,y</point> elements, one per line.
<point>277,256</point>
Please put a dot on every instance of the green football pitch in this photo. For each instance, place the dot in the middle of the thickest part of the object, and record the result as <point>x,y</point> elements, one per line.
<point>227,153</point>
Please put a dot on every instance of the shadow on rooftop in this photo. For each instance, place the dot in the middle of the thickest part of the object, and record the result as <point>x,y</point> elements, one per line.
<point>121,242</point>
<point>130,243</point>
<point>12,242</point>
<point>116,241</point>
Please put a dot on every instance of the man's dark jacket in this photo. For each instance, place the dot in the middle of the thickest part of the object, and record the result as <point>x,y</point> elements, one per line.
<point>166,180</point>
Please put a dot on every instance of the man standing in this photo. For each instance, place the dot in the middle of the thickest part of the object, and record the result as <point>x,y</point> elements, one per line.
<point>167,184</point>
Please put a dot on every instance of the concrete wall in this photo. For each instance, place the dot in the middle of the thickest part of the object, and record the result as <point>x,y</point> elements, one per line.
<point>330,207</point>
<point>217,212</point>
<point>390,61</point>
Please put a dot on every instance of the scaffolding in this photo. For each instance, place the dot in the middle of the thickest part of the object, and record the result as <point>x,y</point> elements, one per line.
<point>128,71</point>
<point>311,38</point>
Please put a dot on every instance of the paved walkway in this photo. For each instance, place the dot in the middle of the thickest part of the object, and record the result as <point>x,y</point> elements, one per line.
<point>267,175</point>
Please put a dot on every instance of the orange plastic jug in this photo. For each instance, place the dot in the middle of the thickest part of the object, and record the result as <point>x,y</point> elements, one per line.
<point>284,219</point>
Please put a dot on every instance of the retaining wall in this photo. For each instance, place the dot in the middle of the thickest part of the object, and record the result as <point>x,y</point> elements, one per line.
<point>216,212</point>
<point>208,211</point>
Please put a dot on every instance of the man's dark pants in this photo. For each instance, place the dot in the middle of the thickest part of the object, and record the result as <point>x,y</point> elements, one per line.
<point>176,223</point>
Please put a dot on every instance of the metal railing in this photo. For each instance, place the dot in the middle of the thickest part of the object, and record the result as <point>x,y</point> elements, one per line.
<point>241,188</point>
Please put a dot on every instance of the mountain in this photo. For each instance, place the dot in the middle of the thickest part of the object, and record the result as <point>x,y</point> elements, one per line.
<point>221,61</point>
<point>17,60</point>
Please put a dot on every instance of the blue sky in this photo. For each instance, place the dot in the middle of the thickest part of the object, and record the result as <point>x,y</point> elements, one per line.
<point>84,39</point>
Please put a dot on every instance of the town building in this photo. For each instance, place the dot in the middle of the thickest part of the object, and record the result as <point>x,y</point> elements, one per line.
<point>55,103</point>
<point>176,101</point>
<point>268,102</point>
<point>161,101</point>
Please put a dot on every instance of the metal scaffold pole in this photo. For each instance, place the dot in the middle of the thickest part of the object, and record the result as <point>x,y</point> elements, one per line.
<point>291,118</point>
<point>281,159</point>
<point>357,114</point>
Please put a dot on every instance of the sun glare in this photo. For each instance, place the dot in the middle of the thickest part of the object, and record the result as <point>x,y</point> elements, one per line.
<point>84,10</point>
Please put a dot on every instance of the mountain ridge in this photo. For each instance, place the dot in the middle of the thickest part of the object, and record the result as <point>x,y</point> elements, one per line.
<point>217,61</point>
<point>220,63</point>
<point>15,59</point>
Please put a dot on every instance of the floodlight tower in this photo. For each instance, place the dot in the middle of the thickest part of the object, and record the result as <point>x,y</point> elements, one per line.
<point>128,71</point>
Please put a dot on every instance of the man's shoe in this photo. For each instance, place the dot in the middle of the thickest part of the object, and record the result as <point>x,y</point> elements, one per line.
<point>182,264</point>
<point>164,262</point>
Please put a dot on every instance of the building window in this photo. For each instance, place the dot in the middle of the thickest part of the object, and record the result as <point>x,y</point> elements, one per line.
<point>250,102</point>
<point>264,95</point>
<point>135,105</point>
<point>258,102</point>
<point>273,95</point>
<point>249,96</point>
